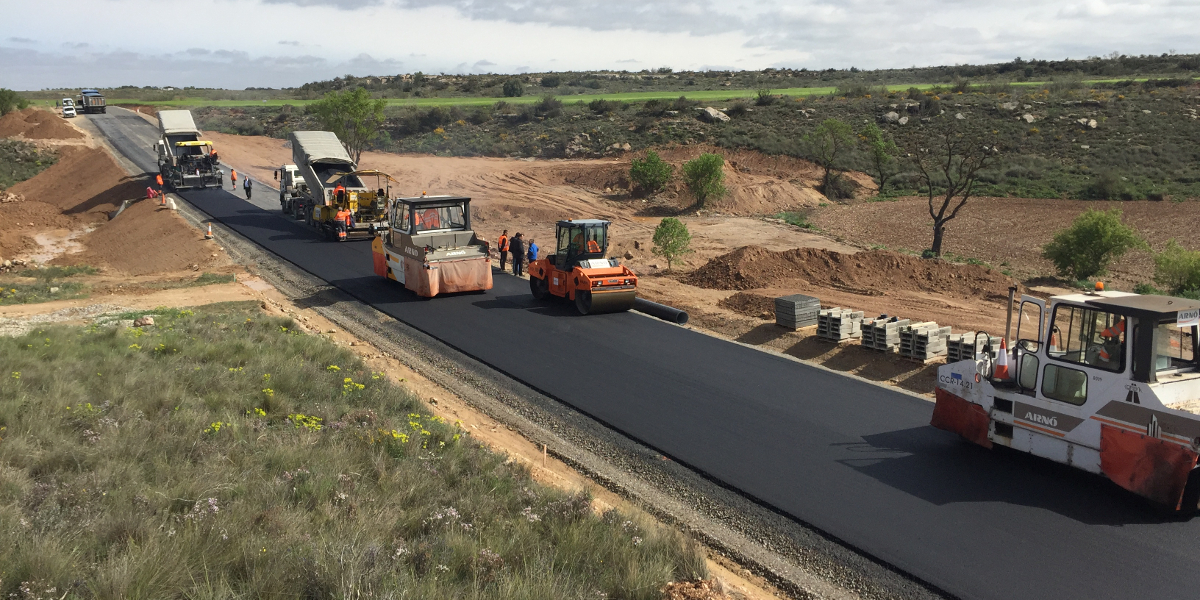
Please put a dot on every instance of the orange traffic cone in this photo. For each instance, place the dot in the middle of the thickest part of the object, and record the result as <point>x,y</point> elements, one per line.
<point>1001,370</point>
<point>209,235</point>
<point>162,199</point>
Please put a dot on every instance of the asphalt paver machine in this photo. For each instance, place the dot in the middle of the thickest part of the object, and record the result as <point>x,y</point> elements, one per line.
<point>580,271</point>
<point>1107,382</point>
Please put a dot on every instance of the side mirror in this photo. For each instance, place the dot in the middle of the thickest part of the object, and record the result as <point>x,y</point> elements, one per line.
<point>276,174</point>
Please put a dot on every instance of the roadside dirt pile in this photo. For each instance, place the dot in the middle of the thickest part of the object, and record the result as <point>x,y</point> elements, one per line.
<point>751,305</point>
<point>147,239</point>
<point>874,273</point>
<point>84,180</point>
<point>37,124</point>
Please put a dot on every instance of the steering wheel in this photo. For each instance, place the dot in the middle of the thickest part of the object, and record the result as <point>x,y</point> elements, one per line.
<point>1092,354</point>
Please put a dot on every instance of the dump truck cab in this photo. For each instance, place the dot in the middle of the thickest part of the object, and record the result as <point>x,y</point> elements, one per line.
<point>428,245</point>
<point>291,185</point>
<point>578,270</point>
<point>1107,382</point>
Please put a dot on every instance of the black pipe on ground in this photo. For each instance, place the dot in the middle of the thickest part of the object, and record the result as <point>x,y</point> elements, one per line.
<point>661,311</point>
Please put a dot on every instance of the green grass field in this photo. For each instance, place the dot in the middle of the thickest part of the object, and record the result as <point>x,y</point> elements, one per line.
<point>222,453</point>
<point>527,99</point>
<point>530,98</point>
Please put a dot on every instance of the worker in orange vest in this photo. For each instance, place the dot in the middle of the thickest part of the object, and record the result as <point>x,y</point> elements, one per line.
<point>233,179</point>
<point>158,178</point>
<point>502,246</point>
<point>341,220</point>
<point>1113,341</point>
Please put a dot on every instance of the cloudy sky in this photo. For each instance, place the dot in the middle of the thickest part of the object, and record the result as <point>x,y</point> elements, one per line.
<point>278,43</point>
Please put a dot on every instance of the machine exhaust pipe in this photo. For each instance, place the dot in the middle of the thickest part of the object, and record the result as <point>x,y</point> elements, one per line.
<point>662,311</point>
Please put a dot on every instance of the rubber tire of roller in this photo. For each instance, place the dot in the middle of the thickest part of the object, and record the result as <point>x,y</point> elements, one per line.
<point>1190,503</point>
<point>583,301</point>
<point>538,287</point>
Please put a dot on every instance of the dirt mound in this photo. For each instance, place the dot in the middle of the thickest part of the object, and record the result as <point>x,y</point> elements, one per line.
<point>873,273</point>
<point>751,305</point>
<point>83,180</point>
<point>53,129</point>
<point>146,239</point>
<point>37,124</point>
<point>14,124</point>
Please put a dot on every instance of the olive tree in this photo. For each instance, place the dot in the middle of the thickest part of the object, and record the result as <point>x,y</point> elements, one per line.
<point>353,116</point>
<point>672,240</point>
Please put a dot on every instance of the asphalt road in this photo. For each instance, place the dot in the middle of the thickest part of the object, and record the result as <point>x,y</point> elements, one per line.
<point>854,460</point>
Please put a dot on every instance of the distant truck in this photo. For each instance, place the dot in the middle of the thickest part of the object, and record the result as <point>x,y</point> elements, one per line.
<point>335,183</point>
<point>291,187</point>
<point>184,160</point>
<point>91,101</point>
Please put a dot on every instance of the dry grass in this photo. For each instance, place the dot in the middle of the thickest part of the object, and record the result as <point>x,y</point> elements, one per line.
<point>222,454</point>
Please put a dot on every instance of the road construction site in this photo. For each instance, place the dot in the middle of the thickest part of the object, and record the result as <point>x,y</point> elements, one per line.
<point>830,484</point>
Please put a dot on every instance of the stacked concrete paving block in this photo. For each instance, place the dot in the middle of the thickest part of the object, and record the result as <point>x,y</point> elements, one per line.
<point>839,324</point>
<point>796,311</point>
<point>965,346</point>
<point>883,334</point>
<point>923,341</point>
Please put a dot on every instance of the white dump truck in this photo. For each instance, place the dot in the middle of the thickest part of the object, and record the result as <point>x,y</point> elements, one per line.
<point>184,159</point>
<point>291,187</point>
<point>1107,382</point>
<point>333,184</point>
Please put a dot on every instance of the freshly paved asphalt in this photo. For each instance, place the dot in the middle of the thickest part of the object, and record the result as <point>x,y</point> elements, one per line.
<point>854,460</point>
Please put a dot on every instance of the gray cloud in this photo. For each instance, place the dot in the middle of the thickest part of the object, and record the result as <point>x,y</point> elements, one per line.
<point>75,45</point>
<point>21,40</point>
<point>29,69</point>
<point>339,4</point>
<point>698,17</point>
<point>198,51</point>
<point>288,43</point>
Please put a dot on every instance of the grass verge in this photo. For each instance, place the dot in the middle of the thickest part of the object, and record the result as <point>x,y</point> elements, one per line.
<point>223,454</point>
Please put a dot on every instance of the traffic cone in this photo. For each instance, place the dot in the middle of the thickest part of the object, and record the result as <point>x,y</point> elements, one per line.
<point>162,199</point>
<point>1001,370</point>
<point>209,235</point>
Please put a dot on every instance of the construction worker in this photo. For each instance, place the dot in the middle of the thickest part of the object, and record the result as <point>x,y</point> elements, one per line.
<point>533,250</point>
<point>233,179</point>
<point>212,154</point>
<point>517,246</point>
<point>158,178</point>
<point>1114,343</point>
<point>246,186</point>
<point>341,220</point>
<point>502,246</point>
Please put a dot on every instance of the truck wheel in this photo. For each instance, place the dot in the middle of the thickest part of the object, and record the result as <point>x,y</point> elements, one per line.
<point>583,301</point>
<point>539,288</point>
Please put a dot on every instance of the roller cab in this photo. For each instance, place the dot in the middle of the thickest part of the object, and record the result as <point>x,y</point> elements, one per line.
<point>428,246</point>
<point>1106,382</point>
<point>579,270</point>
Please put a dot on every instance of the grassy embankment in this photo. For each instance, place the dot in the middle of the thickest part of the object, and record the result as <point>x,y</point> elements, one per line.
<point>533,96</point>
<point>44,284</point>
<point>22,160</point>
<point>223,454</point>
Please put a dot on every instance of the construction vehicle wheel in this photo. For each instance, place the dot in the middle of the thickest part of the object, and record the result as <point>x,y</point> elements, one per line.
<point>583,302</point>
<point>1190,504</point>
<point>539,288</point>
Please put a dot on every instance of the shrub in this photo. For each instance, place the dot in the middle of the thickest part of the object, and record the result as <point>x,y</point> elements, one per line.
<point>1106,186</point>
<point>651,174</point>
<point>10,100</point>
<point>1177,269</point>
<point>705,177</point>
<point>1090,244</point>
<point>602,106</point>
<point>654,108</point>
<point>682,103</point>
<point>738,109</point>
<point>548,107</point>
<point>551,81</point>
<point>672,240</point>
<point>513,88</point>
<point>765,98</point>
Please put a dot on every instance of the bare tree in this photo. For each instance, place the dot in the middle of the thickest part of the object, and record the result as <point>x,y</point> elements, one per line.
<point>949,162</point>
